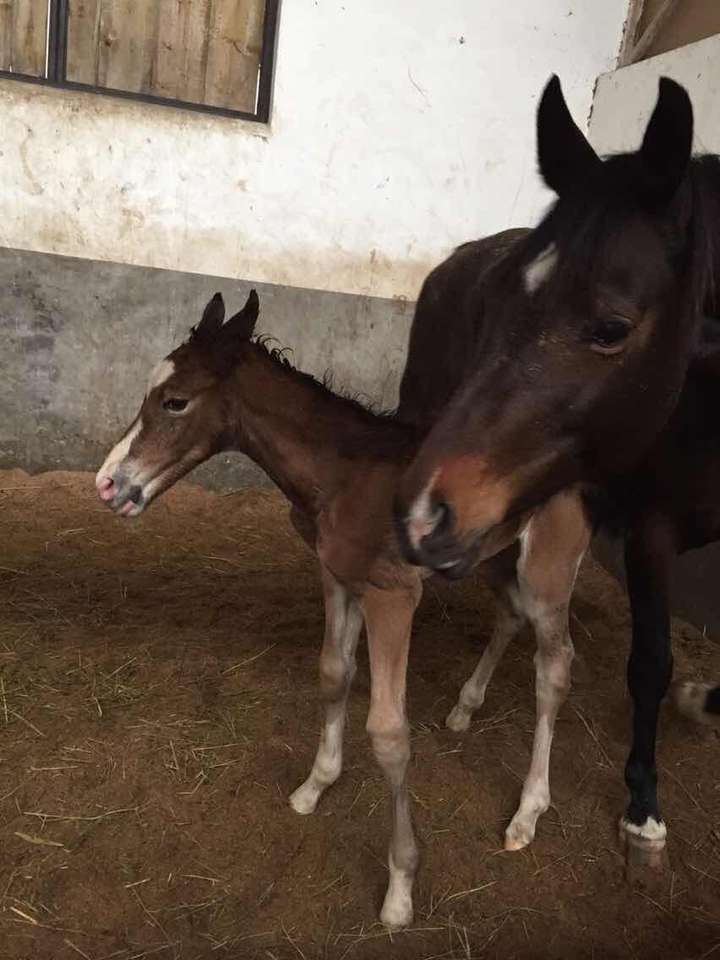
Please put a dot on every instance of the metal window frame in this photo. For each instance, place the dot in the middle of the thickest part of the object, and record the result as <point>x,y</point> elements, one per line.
<point>56,68</point>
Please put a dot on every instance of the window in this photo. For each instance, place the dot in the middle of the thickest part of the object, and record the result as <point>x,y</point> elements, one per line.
<point>210,55</point>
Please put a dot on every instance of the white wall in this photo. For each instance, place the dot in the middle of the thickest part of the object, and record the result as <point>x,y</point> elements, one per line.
<point>399,130</point>
<point>624,99</point>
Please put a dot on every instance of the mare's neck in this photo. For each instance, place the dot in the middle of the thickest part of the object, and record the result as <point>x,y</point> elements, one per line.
<point>707,174</point>
<point>308,440</point>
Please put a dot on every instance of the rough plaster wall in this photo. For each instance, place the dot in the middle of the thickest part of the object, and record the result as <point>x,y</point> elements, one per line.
<point>399,130</point>
<point>80,338</point>
<point>622,105</point>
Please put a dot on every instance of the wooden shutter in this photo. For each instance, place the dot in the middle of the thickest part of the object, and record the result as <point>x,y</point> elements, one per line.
<point>201,51</point>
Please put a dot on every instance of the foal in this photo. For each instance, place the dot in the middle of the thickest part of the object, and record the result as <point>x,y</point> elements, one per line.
<point>338,465</point>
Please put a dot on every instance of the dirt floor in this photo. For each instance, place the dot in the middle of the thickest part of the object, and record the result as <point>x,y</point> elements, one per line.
<point>158,704</point>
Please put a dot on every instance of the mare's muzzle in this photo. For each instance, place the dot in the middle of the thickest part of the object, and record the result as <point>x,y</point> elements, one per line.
<point>438,547</point>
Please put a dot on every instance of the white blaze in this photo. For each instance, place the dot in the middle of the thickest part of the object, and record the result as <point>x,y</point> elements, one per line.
<point>162,372</point>
<point>537,272</point>
<point>119,452</point>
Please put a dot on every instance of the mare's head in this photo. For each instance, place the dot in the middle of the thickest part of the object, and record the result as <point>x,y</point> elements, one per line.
<point>586,329</point>
<point>183,419</point>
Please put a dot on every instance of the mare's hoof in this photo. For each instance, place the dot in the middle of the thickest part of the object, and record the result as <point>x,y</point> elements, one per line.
<point>644,844</point>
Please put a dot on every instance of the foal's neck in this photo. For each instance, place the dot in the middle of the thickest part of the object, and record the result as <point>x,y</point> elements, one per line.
<point>311,442</point>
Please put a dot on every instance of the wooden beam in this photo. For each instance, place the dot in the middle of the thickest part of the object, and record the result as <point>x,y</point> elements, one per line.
<point>652,30</point>
<point>635,12</point>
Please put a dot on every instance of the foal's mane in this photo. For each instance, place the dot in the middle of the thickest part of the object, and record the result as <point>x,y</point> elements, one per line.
<point>326,387</point>
<point>396,435</point>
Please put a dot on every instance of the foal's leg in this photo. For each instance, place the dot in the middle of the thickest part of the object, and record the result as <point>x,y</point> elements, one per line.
<point>388,618</point>
<point>699,702</point>
<point>508,623</point>
<point>343,621</point>
<point>648,551</point>
<point>553,545</point>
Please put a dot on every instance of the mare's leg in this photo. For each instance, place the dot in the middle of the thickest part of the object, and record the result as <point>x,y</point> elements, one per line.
<point>388,619</point>
<point>699,702</point>
<point>649,548</point>
<point>509,620</point>
<point>553,546</point>
<point>343,622</point>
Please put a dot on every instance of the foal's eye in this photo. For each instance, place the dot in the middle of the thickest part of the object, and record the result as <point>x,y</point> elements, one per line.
<point>608,335</point>
<point>174,404</point>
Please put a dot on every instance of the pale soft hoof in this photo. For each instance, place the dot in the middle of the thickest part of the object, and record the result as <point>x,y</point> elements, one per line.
<point>518,835</point>
<point>690,700</point>
<point>644,844</point>
<point>458,719</point>
<point>304,800</point>
<point>397,913</point>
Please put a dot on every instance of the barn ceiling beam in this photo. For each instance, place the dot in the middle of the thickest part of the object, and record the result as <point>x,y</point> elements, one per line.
<point>633,49</point>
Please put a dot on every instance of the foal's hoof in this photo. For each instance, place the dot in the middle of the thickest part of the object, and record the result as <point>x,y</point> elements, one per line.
<point>304,800</point>
<point>644,844</point>
<point>519,835</point>
<point>458,719</point>
<point>690,700</point>
<point>397,912</point>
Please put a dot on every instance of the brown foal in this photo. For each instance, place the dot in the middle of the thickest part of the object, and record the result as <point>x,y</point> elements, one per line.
<point>338,464</point>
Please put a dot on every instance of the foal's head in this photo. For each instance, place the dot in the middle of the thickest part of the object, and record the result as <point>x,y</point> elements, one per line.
<point>183,419</point>
<point>587,325</point>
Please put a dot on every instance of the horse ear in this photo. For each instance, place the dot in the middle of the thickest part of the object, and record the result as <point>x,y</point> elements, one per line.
<point>241,326</point>
<point>212,318</point>
<point>667,144</point>
<point>565,157</point>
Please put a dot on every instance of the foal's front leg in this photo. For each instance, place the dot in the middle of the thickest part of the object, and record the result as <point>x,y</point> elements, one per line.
<point>553,546</point>
<point>388,618</point>
<point>343,622</point>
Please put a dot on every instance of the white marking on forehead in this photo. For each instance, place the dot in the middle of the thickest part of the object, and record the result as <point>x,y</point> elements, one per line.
<point>119,452</point>
<point>162,372</point>
<point>536,273</point>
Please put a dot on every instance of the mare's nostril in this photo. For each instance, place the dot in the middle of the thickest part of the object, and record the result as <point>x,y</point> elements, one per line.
<point>443,520</point>
<point>135,494</point>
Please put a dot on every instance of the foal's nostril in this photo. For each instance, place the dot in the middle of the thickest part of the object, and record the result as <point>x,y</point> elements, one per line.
<point>135,494</point>
<point>105,487</point>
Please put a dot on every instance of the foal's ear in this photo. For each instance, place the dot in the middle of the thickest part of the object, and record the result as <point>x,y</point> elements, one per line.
<point>212,318</point>
<point>565,157</point>
<point>667,144</point>
<point>242,325</point>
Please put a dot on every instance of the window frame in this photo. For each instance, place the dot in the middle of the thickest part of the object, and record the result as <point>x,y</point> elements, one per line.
<point>56,66</point>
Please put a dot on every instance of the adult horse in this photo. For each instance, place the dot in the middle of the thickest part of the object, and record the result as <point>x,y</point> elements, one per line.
<point>610,290</point>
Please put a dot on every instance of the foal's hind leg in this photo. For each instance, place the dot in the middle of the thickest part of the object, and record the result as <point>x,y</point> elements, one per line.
<point>343,622</point>
<point>699,702</point>
<point>508,623</point>
<point>553,546</point>
<point>388,618</point>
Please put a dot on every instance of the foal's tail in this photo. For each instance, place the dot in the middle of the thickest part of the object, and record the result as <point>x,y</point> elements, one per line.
<point>699,701</point>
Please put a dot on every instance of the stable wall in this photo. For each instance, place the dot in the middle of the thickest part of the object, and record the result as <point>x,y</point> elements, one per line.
<point>398,131</point>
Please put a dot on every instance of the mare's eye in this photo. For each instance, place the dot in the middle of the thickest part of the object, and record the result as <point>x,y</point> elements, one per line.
<point>174,404</point>
<point>608,335</point>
